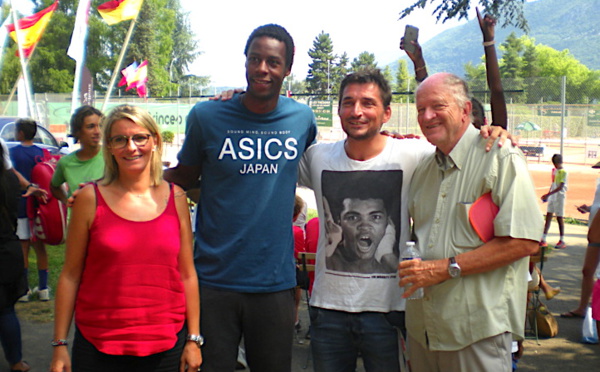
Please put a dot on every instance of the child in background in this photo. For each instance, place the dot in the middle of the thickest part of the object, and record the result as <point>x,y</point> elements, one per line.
<point>24,157</point>
<point>556,201</point>
<point>298,247</point>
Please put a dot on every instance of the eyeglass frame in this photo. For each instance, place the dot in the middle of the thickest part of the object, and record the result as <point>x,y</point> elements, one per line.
<point>130,138</point>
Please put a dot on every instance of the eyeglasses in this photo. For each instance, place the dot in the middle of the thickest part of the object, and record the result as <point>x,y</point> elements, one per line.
<point>119,142</point>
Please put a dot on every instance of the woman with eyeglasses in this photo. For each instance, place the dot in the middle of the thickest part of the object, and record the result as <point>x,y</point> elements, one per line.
<point>129,277</point>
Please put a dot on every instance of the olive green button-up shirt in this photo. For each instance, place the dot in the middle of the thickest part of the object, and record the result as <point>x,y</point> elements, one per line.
<point>458,312</point>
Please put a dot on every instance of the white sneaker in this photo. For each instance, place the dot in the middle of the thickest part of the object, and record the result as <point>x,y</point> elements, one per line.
<point>43,295</point>
<point>25,297</point>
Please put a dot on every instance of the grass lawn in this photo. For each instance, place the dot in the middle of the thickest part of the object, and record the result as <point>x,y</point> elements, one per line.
<point>35,310</point>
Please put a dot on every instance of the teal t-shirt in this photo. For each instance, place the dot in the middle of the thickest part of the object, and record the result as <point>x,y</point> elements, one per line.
<point>73,171</point>
<point>249,168</point>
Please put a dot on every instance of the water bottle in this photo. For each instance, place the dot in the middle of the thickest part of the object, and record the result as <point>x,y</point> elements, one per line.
<point>411,252</point>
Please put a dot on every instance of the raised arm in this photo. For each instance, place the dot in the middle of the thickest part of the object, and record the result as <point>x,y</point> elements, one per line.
<point>499,115</point>
<point>417,59</point>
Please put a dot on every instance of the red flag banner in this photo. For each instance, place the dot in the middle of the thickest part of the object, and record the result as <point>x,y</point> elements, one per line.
<point>31,29</point>
<point>116,11</point>
<point>136,76</point>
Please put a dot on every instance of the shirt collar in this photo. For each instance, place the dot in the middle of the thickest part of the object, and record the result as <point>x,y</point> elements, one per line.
<point>458,155</point>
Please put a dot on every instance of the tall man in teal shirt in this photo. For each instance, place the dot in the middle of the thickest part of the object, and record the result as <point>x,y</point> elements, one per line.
<point>475,291</point>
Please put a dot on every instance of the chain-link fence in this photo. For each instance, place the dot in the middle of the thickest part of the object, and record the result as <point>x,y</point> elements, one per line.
<point>537,101</point>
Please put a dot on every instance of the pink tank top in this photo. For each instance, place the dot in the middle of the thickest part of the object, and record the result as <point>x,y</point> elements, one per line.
<point>131,299</point>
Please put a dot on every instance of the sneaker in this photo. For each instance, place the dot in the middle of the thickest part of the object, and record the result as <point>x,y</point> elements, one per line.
<point>543,244</point>
<point>560,245</point>
<point>25,297</point>
<point>43,294</point>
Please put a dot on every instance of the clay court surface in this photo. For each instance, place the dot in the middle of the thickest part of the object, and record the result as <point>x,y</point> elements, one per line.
<point>581,176</point>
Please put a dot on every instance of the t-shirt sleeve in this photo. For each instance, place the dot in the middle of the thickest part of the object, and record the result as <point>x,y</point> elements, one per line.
<point>58,178</point>
<point>519,215</point>
<point>304,169</point>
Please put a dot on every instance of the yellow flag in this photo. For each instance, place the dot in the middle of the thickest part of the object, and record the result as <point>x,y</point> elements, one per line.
<point>116,11</point>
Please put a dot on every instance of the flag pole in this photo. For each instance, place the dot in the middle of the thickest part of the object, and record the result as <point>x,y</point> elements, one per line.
<point>77,49</point>
<point>16,84</point>
<point>118,66</point>
<point>23,65</point>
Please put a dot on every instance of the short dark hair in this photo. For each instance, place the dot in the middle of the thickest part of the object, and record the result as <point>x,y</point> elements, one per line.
<point>365,76</point>
<point>27,126</point>
<point>278,33</point>
<point>477,107</point>
<point>79,116</point>
<point>557,159</point>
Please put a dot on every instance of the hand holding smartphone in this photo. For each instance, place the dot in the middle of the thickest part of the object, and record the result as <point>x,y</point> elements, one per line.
<point>411,33</point>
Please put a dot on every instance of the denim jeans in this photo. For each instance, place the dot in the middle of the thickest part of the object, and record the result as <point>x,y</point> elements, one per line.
<point>338,338</point>
<point>10,335</point>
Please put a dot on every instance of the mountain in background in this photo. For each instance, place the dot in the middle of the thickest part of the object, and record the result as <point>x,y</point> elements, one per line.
<point>559,24</point>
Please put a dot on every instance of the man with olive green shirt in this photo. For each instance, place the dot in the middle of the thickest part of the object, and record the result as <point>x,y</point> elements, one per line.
<point>475,292</point>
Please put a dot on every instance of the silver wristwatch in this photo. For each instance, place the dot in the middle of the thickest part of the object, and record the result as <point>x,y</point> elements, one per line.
<point>453,268</point>
<point>198,339</point>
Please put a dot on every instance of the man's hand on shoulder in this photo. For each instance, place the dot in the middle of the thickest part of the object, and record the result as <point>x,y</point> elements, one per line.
<point>493,132</point>
<point>398,135</point>
<point>226,95</point>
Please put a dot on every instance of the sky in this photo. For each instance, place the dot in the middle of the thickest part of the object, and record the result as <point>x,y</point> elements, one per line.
<point>222,28</point>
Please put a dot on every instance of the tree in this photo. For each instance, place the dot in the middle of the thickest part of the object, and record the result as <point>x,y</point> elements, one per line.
<point>318,80</point>
<point>537,70</point>
<point>339,72</point>
<point>293,85</point>
<point>193,85</point>
<point>364,60</point>
<point>327,70</point>
<point>403,81</point>
<point>162,36</point>
<point>511,11</point>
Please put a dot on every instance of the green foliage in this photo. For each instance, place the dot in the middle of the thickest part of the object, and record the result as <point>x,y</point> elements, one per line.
<point>192,85</point>
<point>162,36</point>
<point>523,60</point>
<point>510,12</point>
<point>168,136</point>
<point>295,86</point>
<point>364,60</point>
<point>405,82</point>
<point>327,69</point>
<point>557,23</point>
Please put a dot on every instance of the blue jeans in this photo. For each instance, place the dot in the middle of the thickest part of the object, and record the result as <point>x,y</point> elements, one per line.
<point>338,338</point>
<point>10,335</point>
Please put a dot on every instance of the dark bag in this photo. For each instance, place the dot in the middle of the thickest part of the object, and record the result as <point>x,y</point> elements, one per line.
<point>302,279</point>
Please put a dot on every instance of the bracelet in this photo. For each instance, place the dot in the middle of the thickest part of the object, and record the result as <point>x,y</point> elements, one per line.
<point>59,342</point>
<point>420,68</point>
<point>489,43</point>
<point>596,245</point>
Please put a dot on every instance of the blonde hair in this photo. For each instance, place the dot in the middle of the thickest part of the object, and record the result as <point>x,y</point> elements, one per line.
<point>142,118</point>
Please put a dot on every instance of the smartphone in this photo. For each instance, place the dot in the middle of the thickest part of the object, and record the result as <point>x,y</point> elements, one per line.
<point>411,33</point>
